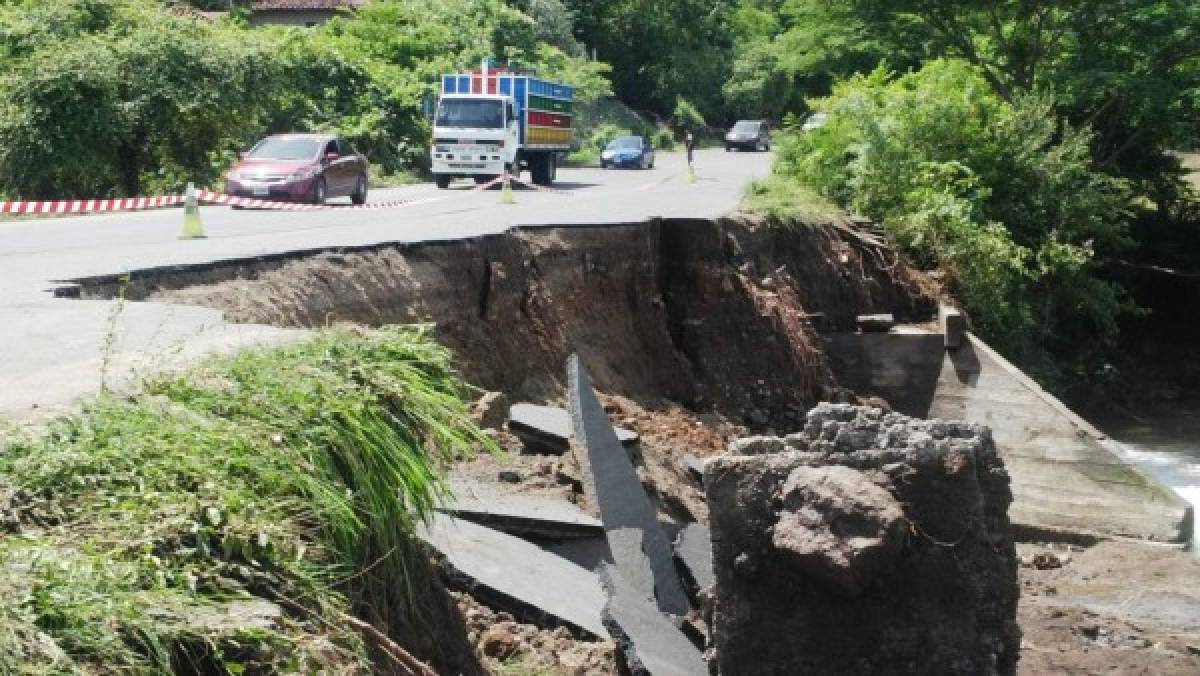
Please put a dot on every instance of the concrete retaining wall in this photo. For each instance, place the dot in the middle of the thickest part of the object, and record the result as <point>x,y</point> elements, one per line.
<point>1067,476</point>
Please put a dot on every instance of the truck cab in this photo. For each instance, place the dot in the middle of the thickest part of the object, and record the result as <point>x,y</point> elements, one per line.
<point>476,135</point>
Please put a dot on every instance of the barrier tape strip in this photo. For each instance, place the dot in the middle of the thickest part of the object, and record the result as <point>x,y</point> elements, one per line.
<point>209,197</point>
<point>91,206</point>
<point>252,203</point>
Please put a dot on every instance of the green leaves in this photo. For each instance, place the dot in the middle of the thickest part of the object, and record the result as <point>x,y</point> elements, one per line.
<point>1002,196</point>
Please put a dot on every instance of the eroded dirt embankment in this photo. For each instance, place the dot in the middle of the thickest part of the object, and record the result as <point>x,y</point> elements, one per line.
<point>674,320</point>
<point>714,315</point>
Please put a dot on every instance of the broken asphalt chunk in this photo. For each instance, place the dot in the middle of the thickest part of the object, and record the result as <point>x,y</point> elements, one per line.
<point>518,514</point>
<point>508,573</point>
<point>693,550</point>
<point>547,429</point>
<point>640,548</point>
<point>649,642</point>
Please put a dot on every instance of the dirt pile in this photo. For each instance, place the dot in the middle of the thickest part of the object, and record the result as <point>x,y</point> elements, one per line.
<point>870,543</point>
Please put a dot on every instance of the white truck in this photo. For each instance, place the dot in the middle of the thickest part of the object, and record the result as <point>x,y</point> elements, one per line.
<point>492,121</point>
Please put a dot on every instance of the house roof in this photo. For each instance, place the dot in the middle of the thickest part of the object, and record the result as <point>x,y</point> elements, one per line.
<point>304,5</point>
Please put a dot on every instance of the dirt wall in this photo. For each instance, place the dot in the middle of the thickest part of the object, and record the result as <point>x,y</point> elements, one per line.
<point>715,315</point>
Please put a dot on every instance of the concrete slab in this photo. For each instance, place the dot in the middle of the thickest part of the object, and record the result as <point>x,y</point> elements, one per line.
<point>547,429</point>
<point>876,323</point>
<point>640,548</point>
<point>516,514</point>
<point>510,574</point>
<point>693,550</point>
<point>1067,476</point>
<point>649,642</point>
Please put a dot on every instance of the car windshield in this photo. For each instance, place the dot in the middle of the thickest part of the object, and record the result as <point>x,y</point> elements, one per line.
<point>625,143</point>
<point>745,127</point>
<point>285,149</point>
<point>470,113</point>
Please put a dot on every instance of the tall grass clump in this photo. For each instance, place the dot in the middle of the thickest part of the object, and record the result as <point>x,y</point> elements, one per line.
<point>145,534</point>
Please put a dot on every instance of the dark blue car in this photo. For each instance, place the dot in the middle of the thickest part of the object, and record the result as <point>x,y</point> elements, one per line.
<point>634,152</point>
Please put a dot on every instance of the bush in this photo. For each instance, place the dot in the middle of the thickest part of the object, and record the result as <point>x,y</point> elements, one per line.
<point>1002,196</point>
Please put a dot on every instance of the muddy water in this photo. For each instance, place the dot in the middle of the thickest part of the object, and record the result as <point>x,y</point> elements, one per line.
<point>1166,444</point>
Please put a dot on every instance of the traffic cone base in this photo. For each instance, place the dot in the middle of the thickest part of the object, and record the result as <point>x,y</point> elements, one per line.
<point>506,192</point>
<point>192,227</point>
<point>691,174</point>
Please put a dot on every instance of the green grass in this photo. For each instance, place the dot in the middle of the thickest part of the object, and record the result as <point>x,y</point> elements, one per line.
<point>784,201</point>
<point>295,472</point>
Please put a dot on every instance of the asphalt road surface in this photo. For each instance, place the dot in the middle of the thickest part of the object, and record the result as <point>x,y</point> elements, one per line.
<point>53,351</point>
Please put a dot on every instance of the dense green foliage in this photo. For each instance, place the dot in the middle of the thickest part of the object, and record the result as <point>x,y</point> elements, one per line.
<point>123,96</point>
<point>294,472</point>
<point>997,194</point>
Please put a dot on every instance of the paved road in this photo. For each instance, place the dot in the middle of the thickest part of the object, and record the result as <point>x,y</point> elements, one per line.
<point>52,351</point>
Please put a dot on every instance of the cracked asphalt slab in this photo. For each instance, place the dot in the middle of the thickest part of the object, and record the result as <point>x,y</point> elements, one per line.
<point>53,351</point>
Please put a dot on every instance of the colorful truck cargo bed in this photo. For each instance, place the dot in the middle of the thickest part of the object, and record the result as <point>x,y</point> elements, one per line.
<point>544,109</point>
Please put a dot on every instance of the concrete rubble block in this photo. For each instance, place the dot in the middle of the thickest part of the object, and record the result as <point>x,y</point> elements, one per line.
<point>516,514</point>
<point>953,325</point>
<point>640,547</point>
<point>547,429</point>
<point>510,574</point>
<point>881,323</point>
<point>693,551</point>
<point>489,410</point>
<point>885,548</point>
<point>648,642</point>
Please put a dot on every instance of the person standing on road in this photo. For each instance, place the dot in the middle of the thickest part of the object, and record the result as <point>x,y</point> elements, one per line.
<point>689,142</point>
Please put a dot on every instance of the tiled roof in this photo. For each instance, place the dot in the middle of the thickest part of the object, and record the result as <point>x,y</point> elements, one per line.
<point>300,5</point>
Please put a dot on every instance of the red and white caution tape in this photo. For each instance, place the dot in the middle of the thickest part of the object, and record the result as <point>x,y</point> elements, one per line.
<point>251,203</point>
<point>91,206</point>
<point>165,201</point>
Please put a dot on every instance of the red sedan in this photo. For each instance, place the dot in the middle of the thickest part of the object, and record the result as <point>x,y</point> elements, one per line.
<point>300,168</point>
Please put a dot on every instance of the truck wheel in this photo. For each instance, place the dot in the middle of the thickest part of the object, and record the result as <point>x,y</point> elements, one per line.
<point>551,169</point>
<point>539,169</point>
<point>360,191</point>
<point>442,181</point>
<point>481,180</point>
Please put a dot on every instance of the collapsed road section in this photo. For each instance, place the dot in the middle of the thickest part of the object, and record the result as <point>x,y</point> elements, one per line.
<point>751,320</point>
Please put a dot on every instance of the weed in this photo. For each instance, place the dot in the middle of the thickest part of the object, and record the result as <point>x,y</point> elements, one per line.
<point>296,472</point>
<point>784,201</point>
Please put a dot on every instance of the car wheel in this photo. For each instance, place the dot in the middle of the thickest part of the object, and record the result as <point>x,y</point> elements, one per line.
<point>442,181</point>
<point>319,191</point>
<point>481,180</point>
<point>728,147</point>
<point>360,191</point>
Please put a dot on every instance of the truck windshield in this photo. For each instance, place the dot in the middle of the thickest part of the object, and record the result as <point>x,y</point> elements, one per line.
<point>471,113</point>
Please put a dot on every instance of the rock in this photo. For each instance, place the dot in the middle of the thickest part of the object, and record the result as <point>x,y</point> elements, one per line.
<point>640,548</point>
<point>881,323</point>
<point>1046,561</point>
<point>838,526</point>
<point>500,641</point>
<point>883,547</point>
<point>757,446</point>
<point>490,410</point>
<point>508,476</point>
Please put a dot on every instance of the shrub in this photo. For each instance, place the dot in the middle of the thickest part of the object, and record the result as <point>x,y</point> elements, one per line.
<point>1002,196</point>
